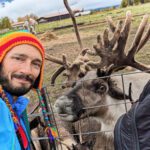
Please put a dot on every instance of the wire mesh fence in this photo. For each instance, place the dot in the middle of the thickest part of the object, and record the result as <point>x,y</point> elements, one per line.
<point>94,129</point>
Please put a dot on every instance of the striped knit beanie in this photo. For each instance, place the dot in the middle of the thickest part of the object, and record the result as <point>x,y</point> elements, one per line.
<point>12,39</point>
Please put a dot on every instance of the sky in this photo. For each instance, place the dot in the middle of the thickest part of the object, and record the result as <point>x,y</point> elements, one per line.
<point>19,8</point>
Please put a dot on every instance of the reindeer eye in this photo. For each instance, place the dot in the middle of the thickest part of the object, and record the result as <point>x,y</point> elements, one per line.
<point>102,89</point>
<point>81,74</point>
<point>99,88</point>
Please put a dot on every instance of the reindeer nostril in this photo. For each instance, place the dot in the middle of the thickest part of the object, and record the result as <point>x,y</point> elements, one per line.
<point>56,105</point>
<point>63,86</point>
<point>73,84</point>
<point>80,112</point>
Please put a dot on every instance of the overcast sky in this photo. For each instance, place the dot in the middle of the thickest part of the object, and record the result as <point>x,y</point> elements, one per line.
<point>20,8</point>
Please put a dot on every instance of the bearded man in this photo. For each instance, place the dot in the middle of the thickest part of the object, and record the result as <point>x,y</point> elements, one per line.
<point>21,69</point>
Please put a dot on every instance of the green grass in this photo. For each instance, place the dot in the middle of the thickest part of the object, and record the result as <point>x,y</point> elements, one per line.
<point>96,17</point>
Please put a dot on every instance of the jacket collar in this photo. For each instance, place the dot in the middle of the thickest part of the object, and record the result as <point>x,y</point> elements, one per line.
<point>19,105</point>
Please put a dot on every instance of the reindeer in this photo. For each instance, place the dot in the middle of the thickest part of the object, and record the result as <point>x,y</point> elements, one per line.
<point>97,100</point>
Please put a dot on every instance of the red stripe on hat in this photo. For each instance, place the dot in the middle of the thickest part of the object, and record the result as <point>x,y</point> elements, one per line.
<point>23,39</point>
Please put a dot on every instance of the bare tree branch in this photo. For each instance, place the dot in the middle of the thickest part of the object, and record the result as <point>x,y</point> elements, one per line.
<point>74,22</point>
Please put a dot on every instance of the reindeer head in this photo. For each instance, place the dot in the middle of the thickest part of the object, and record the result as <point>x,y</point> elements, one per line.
<point>93,90</point>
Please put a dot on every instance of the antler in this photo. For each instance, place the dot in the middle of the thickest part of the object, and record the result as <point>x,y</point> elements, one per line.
<point>73,71</point>
<point>53,59</point>
<point>56,74</point>
<point>112,52</point>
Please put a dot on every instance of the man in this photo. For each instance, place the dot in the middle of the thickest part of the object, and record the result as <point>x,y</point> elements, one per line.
<point>21,69</point>
<point>32,24</point>
<point>26,25</point>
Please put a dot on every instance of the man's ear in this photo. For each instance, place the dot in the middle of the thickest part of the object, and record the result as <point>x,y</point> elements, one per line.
<point>36,83</point>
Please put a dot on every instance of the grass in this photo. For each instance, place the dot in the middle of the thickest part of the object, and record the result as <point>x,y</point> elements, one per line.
<point>95,17</point>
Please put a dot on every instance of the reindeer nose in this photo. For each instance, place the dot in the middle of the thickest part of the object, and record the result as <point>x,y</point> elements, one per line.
<point>63,86</point>
<point>63,106</point>
<point>63,102</point>
<point>69,84</point>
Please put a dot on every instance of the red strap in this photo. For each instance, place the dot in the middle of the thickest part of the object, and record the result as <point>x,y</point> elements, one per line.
<point>23,137</point>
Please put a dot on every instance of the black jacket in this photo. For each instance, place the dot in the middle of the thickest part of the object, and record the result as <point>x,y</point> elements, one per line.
<point>132,130</point>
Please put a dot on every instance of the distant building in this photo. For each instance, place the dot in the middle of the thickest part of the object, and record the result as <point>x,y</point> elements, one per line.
<point>55,16</point>
<point>83,13</point>
<point>2,31</point>
<point>18,25</point>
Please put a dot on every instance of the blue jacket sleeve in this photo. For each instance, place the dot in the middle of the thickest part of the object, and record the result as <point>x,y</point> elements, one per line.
<point>8,138</point>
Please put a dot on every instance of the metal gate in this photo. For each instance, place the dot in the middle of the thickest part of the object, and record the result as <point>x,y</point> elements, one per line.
<point>51,93</point>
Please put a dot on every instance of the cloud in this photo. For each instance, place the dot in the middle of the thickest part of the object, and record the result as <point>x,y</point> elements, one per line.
<point>93,4</point>
<point>20,8</point>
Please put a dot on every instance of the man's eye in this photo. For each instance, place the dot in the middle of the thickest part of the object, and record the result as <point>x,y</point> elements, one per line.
<point>18,58</point>
<point>37,65</point>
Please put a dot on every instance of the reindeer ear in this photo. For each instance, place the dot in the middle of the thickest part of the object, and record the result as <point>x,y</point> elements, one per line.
<point>101,73</point>
<point>117,93</point>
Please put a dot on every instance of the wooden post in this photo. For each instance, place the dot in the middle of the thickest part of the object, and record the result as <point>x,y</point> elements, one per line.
<point>74,23</point>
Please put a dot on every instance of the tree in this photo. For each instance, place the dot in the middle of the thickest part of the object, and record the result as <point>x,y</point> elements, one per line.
<point>124,3</point>
<point>142,1</point>
<point>136,2</point>
<point>5,23</point>
<point>130,2</point>
<point>24,18</point>
<point>33,16</point>
<point>20,19</point>
<point>0,23</point>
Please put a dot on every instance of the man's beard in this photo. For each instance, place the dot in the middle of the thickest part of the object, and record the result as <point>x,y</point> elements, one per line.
<point>15,91</point>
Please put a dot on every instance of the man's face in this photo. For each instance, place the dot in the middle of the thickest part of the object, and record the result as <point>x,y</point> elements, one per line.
<point>20,68</point>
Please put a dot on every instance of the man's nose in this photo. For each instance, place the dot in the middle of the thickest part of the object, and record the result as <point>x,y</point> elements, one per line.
<point>26,68</point>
